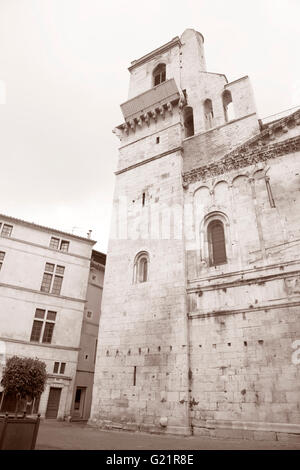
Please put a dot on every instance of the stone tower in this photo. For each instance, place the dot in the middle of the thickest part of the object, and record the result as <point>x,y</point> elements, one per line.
<point>188,251</point>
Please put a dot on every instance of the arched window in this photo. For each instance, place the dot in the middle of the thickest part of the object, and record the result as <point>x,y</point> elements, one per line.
<point>216,243</point>
<point>208,113</point>
<point>141,267</point>
<point>159,74</point>
<point>188,119</point>
<point>228,106</point>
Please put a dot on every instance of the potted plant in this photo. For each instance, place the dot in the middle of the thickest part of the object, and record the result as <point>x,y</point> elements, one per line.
<point>23,380</point>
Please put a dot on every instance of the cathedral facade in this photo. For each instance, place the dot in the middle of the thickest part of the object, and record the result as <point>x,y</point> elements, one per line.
<point>200,328</point>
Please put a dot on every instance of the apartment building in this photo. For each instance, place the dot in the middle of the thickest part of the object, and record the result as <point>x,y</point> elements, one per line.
<point>44,276</point>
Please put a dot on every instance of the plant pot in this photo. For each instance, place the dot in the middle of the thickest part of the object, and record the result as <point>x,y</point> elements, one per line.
<point>18,432</point>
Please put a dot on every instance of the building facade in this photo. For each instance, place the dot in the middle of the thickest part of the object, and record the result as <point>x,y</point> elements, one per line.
<point>200,310</point>
<point>43,286</point>
<point>84,380</point>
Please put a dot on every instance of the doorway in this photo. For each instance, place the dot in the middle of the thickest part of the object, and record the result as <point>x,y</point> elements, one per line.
<point>79,402</point>
<point>53,403</point>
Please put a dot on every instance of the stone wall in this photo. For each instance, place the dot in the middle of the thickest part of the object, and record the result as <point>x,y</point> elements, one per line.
<point>244,315</point>
<point>242,369</point>
<point>141,376</point>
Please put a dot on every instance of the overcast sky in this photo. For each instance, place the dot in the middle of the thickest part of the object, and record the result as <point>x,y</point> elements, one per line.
<point>64,64</point>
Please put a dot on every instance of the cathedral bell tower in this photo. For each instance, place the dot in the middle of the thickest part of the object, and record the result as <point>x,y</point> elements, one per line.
<point>142,369</point>
<point>177,117</point>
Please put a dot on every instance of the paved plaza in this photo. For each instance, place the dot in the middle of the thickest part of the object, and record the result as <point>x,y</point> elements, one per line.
<point>54,435</point>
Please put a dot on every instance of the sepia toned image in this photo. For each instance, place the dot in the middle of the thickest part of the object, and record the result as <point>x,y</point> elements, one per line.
<point>149,227</point>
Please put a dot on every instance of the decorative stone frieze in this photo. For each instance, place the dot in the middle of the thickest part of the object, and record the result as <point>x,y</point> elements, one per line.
<point>242,158</point>
<point>257,149</point>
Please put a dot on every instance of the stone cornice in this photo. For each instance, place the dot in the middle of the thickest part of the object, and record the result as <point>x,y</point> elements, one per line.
<point>233,311</point>
<point>59,377</point>
<point>49,230</point>
<point>241,272</point>
<point>241,282</point>
<point>44,247</point>
<point>257,149</point>
<point>48,294</point>
<point>174,42</point>
<point>42,345</point>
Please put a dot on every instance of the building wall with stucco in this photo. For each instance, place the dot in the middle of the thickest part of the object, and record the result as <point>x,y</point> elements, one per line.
<point>26,251</point>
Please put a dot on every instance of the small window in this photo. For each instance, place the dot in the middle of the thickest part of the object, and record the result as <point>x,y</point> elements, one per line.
<point>58,244</point>
<point>2,255</point>
<point>36,330</point>
<point>64,245</point>
<point>48,332</point>
<point>49,267</point>
<point>157,140</point>
<point>57,283</point>
<point>141,267</point>
<point>6,230</point>
<point>60,270</point>
<point>39,313</point>
<point>43,326</point>
<point>54,243</point>
<point>89,314</point>
<point>216,243</point>
<point>50,282</point>
<point>46,282</point>
<point>143,270</point>
<point>51,316</point>
<point>228,106</point>
<point>188,118</point>
<point>208,113</point>
<point>59,368</point>
<point>159,74</point>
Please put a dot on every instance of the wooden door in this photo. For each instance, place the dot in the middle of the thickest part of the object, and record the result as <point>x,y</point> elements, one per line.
<point>53,403</point>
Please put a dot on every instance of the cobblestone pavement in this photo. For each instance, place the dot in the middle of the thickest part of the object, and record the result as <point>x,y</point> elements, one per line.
<point>54,435</point>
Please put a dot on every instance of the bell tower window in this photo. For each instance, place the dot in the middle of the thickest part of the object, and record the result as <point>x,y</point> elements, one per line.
<point>141,267</point>
<point>188,118</point>
<point>208,113</point>
<point>228,106</point>
<point>216,243</point>
<point>159,74</point>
